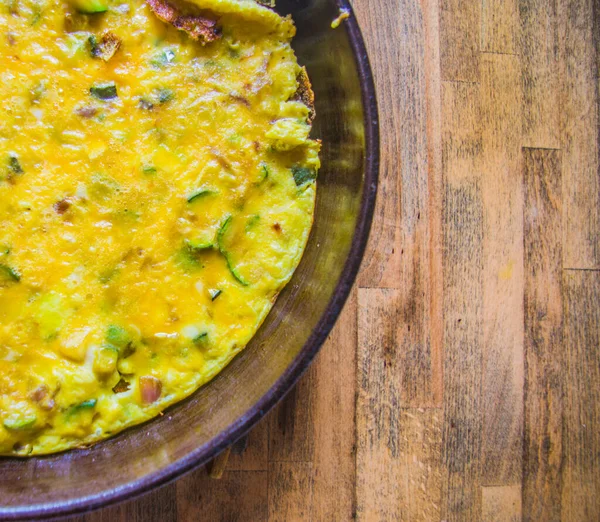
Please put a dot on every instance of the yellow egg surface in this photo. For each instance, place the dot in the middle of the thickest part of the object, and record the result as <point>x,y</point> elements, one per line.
<point>156,193</point>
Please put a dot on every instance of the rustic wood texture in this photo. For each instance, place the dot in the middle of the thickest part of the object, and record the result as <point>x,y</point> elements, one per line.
<point>462,380</point>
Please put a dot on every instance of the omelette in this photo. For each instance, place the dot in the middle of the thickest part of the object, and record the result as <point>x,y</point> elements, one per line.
<point>157,191</point>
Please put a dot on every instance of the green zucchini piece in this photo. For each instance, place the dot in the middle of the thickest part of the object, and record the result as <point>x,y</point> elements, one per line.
<point>90,6</point>
<point>199,193</point>
<point>303,175</point>
<point>214,293</point>
<point>104,91</point>
<point>201,338</point>
<point>220,236</point>
<point>85,405</point>
<point>199,244</point>
<point>8,273</point>
<point>22,424</point>
<point>164,95</point>
<point>14,165</point>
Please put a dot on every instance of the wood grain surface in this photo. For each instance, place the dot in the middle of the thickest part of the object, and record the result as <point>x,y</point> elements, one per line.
<point>462,381</point>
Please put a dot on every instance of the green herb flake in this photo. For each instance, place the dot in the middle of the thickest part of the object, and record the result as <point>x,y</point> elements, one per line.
<point>303,175</point>
<point>104,91</point>
<point>149,170</point>
<point>8,273</point>
<point>201,338</point>
<point>164,95</point>
<point>197,194</point>
<point>21,424</point>
<point>14,165</point>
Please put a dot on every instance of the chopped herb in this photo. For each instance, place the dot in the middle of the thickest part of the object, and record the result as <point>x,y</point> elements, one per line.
<point>38,91</point>
<point>253,220</point>
<point>83,406</point>
<point>164,95</point>
<point>8,273</point>
<point>214,293</point>
<point>197,194</point>
<point>303,175</point>
<point>24,423</point>
<point>201,338</point>
<point>264,172</point>
<point>104,91</point>
<point>145,104</point>
<point>14,165</point>
<point>163,58</point>
<point>149,170</point>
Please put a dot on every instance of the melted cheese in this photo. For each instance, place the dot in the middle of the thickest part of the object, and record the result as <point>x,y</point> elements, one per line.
<point>152,206</point>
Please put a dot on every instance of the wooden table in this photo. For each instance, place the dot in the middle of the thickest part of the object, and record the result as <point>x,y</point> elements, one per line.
<point>462,381</point>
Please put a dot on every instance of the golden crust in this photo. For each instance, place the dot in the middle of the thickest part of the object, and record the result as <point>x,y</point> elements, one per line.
<point>305,94</point>
<point>197,27</point>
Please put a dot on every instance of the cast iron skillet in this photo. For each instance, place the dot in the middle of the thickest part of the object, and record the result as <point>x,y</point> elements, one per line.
<point>195,430</point>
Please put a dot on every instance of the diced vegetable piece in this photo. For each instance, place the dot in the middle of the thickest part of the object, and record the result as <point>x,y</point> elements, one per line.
<point>14,165</point>
<point>197,194</point>
<point>220,242</point>
<point>164,95</point>
<point>150,388</point>
<point>20,424</point>
<point>82,407</point>
<point>8,273</point>
<point>214,293</point>
<point>121,386</point>
<point>303,175</point>
<point>163,58</point>
<point>199,244</point>
<point>117,336</point>
<point>104,91</point>
<point>86,405</point>
<point>253,220</point>
<point>106,48</point>
<point>90,6</point>
<point>145,104</point>
<point>201,338</point>
<point>149,170</point>
<point>105,360</point>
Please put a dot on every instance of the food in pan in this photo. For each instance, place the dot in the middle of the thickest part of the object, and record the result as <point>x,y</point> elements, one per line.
<point>157,190</point>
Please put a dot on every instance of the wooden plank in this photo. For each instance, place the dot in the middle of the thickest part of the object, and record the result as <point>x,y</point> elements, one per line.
<point>404,250</point>
<point>543,306</point>
<point>581,462</point>
<point>238,495</point>
<point>291,424</point>
<point>501,504</point>
<point>381,480</point>
<point>579,132</point>
<point>540,78</point>
<point>460,35</point>
<point>422,446</point>
<point>500,26</point>
<point>334,406</point>
<point>502,199</point>
<point>463,306</point>
<point>290,491</point>
<point>398,450</point>
<point>255,456</point>
<point>160,504</point>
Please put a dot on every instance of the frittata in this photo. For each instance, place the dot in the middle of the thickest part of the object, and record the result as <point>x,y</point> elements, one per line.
<point>157,190</point>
